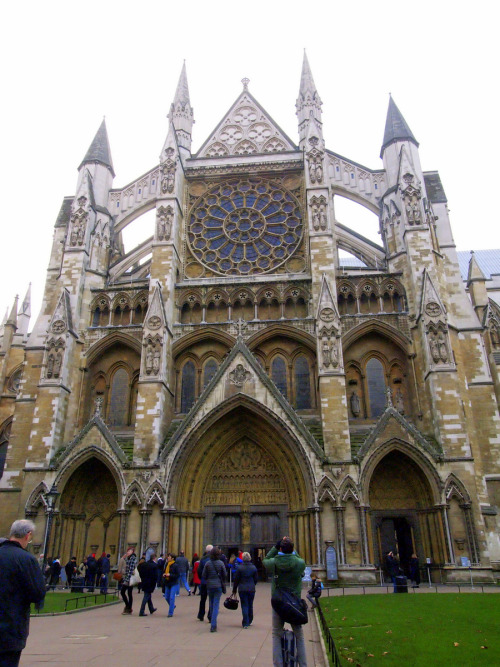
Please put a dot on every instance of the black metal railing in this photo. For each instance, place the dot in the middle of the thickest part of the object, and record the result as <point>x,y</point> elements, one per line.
<point>69,601</point>
<point>330,643</point>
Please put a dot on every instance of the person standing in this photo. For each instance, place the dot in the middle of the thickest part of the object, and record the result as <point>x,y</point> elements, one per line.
<point>55,571</point>
<point>314,593</point>
<point>203,583</point>
<point>196,576</point>
<point>286,570</point>
<point>393,568</point>
<point>130,562</point>
<point>183,566</point>
<point>244,583</point>
<point>415,570</point>
<point>160,565</point>
<point>148,571</point>
<point>70,569</point>
<point>214,573</point>
<point>171,583</point>
<point>21,584</point>
<point>104,568</point>
<point>91,573</point>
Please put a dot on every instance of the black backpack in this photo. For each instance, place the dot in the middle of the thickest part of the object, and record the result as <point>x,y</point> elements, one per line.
<point>289,607</point>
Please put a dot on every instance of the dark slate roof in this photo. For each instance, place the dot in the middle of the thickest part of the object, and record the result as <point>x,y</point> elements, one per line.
<point>488,260</point>
<point>396,128</point>
<point>434,187</point>
<point>64,212</point>
<point>99,150</point>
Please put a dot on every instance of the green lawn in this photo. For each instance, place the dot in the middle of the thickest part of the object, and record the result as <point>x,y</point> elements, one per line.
<point>436,630</point>
<point>55,602</point>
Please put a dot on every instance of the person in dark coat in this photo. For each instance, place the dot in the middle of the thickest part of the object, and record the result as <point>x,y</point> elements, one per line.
<point>148,571</point>
<point>104,568</point>
<point>70,569</point>
<point>203,583</point>
<point>21,584</point>
<point>214,573</point>
<point>415,571</point>
<point>245,580</point>
<point>55,573</point>
<point>91,573</point>
<point>392,564</point>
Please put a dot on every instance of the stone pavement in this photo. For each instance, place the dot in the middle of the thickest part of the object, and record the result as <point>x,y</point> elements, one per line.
<point>105,637</point>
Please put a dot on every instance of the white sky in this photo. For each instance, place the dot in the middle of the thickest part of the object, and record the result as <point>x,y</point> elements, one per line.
<point>67,64</point>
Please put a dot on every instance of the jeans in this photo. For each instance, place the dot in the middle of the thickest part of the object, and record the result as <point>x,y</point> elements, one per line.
<point>126,593</point>
<point>170,592</point>
<point>10,658</point>
<point>104,583</point>
<point>393,579</point>
<point>246,598</point>
<point>146,599</point>
<point>184,582</point>
<point>214,600</point>
<point>298,631</point>
<point>203,601</point>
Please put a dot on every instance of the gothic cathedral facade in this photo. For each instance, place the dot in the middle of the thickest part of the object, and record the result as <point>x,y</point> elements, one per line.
<point>230,381</point>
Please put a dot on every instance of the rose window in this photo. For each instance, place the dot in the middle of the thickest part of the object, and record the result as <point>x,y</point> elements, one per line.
<point>245,226</point>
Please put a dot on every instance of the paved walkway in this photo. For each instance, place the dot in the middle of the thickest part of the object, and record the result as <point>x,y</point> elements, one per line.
<point>105,637</point>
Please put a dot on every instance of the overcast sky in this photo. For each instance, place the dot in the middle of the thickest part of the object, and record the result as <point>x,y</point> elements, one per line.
<point>68,64</point>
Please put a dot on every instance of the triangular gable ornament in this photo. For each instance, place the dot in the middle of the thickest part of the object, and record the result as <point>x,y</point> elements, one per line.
<point>153,363</point>
<point>435,322</point>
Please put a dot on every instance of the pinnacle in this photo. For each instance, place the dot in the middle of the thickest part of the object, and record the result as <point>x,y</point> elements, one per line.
<point>182,91</point>
<point>99,150</point>
<point>306,79</point>
<point>396,128</point>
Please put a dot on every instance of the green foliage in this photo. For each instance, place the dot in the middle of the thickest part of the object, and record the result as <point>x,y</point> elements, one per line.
<point>443,630</point>
<point>56,602</point>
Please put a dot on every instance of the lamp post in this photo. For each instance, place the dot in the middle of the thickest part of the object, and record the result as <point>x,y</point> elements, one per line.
<point>51,497</point>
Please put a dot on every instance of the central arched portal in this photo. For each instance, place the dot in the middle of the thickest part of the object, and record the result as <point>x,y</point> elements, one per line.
<point>242,484</point>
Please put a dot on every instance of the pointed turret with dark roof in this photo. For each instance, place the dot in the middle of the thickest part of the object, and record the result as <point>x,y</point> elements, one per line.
<point>396,128</point>
<point>99,150</point>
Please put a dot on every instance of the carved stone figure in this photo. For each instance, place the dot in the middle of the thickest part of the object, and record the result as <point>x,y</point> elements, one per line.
<point>315,159</point>
<point>443,347</point>
<point>168,177</point>
<point>434,348</point>
<point>165,220</point>
<point>399,402</point>
<point>326,352</point>
<point>355,404</point>
<point>239,375</point>
<point>149,359</point>
<point>315,218</point>
<point>323,222</point>
<point>156,360</point>
<point>57,364</point>
<point>50,364</point>
<point>494,333</point>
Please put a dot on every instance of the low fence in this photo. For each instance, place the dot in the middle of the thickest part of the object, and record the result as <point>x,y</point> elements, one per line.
<point>85,598</point>
<point>330,642</point>
<point>423,588</point>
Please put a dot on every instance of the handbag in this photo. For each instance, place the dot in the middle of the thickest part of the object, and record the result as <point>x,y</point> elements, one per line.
<point>289,607</point>
<point>231,602</point>
<point>117,576</point>
<point>135,578</point>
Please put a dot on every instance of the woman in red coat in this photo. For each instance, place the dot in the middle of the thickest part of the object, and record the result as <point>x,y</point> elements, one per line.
<point>196,577</point>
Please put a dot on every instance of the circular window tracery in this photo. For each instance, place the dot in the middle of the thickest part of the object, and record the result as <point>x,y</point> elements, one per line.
<point>245,226</point>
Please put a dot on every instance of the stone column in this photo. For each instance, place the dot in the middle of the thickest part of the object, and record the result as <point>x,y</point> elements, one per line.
<point>471,534</point>
<point>340,534</point>
<point>365,556</point>
<point>123,531</point>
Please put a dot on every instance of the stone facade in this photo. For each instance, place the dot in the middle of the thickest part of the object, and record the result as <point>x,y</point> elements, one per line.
<point>230,381</point>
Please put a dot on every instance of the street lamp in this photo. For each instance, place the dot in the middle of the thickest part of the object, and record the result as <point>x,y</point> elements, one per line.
<point>51,497</point>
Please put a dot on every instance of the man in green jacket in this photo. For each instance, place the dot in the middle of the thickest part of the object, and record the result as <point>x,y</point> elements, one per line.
<point>286,570</point>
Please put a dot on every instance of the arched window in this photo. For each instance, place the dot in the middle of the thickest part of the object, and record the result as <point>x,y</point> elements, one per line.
<point>209,371</point>
<point>119,400</point>
<point>96,317</point>
<point>302,383</point>
<point>187,387</point>
<point>4,443</point>
<point>376,387</point>
<point>278,374</point>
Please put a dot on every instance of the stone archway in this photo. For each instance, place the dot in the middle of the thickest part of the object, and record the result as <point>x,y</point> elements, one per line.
<point>241,483</point>
<point>87,520</point>
<point>404,518</point>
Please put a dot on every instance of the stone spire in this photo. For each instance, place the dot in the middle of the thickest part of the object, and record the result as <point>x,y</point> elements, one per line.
<point>24,314</point>
<point>12,319</point>
<point>308,105</point>
<point>10,328</point>
<point>396,128</point>
<point>476,284</point>
<point>181,112</point>
<point>99,150</point>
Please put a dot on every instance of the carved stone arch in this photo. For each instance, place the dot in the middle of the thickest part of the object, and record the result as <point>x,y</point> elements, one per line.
<point>191,297</point>
<point>419,456</point>
<point>74,460</point>
<point>122,300</point>
<point>100,301</point>
<point>354,363</point>
<point>349,490</point>
<point>134,495</point>
<point>197,336</point>
<point>306,352</point>
<point>211,293</point>
<point>327,491</point>
<point>235,295</point>
<point>210,354</point>
<point>282,330</point>
<point>286,441</point>
<point>454,488</point>
<point>364,284</point>
<point>120,364</point>
<point>261,294</point>
<point>141,299</point>
<point>382,328</point>
<point>37,498</point>
<point>155,495</point>
<point>99,348</point>
<point>346,287</point>
<point>340,191</point>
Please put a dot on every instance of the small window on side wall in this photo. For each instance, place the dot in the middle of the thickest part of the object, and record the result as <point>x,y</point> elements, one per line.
<point>376,387</point>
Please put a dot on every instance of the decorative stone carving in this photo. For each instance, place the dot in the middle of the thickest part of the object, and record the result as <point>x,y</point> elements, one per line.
<point>399,402</point>
<point>433,309</point>
<point>355,404</point>
<point>318,213</point>
<point>411,197</point>
<point>164,218</point>
<point>438,346</point>
<point>167,171</point>
<point>154,322</point>
<point>239,375</point>
<point>329,350</point>
<point>79,223</point>
<point>54,358</point>
<point>315,164</point>
<point>152,355</point>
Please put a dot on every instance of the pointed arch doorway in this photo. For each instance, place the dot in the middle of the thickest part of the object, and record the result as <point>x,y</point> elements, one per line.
<point>241,484</point>
<point>404,517</point>
<point>88,519</point>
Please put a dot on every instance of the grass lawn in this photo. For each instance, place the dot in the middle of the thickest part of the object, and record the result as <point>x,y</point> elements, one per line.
<point>55,602</point>
<point>436,630</point>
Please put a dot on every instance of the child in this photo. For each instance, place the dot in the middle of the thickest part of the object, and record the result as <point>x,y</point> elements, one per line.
<point>314,592</point>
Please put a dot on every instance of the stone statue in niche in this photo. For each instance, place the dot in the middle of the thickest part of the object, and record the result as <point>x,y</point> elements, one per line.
<point>57,364</point>
<point>443,347</point>
<point>323,222</point>
<point>168,177</point>
<point>156,360</point>
<point>149,359</point>
<point>165,219</point>
<point>50,364</point>
<point>412,206</point>
<point>315,218</point>
<point>494,333</point>
<point>434,348</point>
<point>315,160</point>
<point>399,402</point>
<point>355,404</point>
<point>326,352</point>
